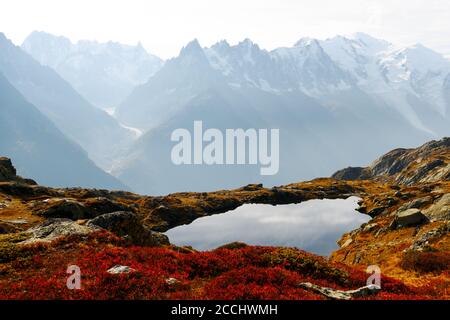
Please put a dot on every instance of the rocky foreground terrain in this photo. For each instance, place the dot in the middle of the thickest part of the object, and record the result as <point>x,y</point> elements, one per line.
<point>115,238</point>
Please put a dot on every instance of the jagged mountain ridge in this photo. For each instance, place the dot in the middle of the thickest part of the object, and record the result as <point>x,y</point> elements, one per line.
<point>104,73</point>
<point>410,80</point>
<point>323,110</point>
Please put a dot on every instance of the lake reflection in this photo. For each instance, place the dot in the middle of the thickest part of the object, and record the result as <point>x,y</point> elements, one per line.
<point>313,225</point>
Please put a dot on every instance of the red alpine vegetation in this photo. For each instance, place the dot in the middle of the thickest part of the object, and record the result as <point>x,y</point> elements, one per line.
<point>39,272</point>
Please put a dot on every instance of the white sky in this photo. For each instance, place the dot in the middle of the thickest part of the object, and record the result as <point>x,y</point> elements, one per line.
<point>164,26</point>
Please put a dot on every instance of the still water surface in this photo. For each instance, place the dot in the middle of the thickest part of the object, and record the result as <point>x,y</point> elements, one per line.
<point>313,225</point>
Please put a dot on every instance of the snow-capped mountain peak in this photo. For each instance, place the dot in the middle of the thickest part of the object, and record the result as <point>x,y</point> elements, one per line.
<point>371,43</point>
<point>306,41</point>
<point>246,43</point>
<point>321,68</point>
<point>221,45</point>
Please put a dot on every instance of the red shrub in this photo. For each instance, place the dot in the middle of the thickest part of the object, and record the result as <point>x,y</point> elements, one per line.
<point>39,272</point>
<point>257,283</point>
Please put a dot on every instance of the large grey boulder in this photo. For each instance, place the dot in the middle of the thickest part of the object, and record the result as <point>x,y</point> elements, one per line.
<point>408,218</point>
<point>128,225</point>
<point>53,229</point>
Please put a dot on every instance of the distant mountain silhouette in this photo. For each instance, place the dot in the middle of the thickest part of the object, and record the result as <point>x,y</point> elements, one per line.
<point>104,73</point>
<point>41,151</point>
<point>93,129</point>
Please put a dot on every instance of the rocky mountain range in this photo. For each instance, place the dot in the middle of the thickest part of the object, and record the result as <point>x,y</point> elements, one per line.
<point>327,97</point>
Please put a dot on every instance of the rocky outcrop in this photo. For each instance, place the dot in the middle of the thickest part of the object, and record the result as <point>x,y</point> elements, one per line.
<point>177,209</point>
<point>53,229</point>
<point>75,210</point>
<point>8,172</point>
<point>413,216</point>
<point>440,210</point>
<point>65,209</point>
<point>428,163</point>
<point>101,205</point>
<point>353,173</point>
<point>124,224</point>
<point>129,226</point>
<point>416,203</point>
<point>424,241</point>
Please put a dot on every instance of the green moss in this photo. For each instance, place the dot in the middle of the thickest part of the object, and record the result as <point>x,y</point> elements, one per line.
<point>9,250</point>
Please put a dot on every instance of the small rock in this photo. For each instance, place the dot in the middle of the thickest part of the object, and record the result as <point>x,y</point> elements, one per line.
<point>340,294</point>
<point>347,243</point>
<point>118,269</point>
<point>376,211</point>
<point>370,227</point>
<point>357,258</point>
<point>172,281</point>
<point>407,196</point>
<point>17,221</point>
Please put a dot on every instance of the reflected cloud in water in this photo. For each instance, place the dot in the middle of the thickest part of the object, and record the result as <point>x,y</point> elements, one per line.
<point>313,225</point>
